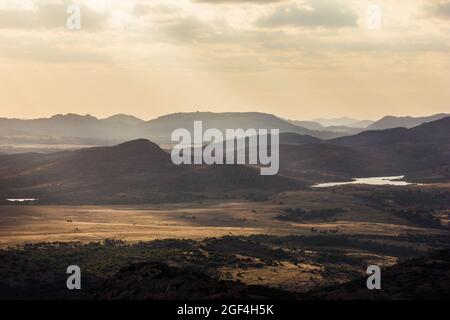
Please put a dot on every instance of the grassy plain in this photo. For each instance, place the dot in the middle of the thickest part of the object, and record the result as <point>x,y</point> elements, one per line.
<point>20,224</point>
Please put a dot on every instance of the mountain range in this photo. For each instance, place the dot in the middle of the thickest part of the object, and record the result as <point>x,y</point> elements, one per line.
<point>349,126</point>
<point>340,130</point>
<point>389,122</point>
<point>343,121</point>
<point>89,130</point>
<point>421,153</point>
<point>140,171</point>
<point>72,131</point>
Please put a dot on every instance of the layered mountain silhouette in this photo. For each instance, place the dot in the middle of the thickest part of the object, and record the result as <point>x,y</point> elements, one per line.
<point>343,121</point>
<point>435,132</point>
<point>72,130</point>
<point>72,125</point>
<point>133,172</point>
<point>339,129</point>
<point>421,153</point>
<point>140,171</point>
<point>244,120</point>
<point>297,139</point>
<point>87,129</point>
<point>389,122</point>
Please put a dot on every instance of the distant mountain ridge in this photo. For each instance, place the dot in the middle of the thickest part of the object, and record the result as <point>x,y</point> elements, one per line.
<point>390,122</point>
<point>72,129</point>
<point>421,154</point>
<point>344,130</point>
<point>121,128</point>
<point>140,171</point>
<point>228,120</point>
<point>440,135</point>
<point>124,118</point>
<point>343,121</point>
<point>69,126</point>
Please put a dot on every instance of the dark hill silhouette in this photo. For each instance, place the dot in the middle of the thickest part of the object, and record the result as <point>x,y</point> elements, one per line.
<point>158,281</point>
<point>322,162</point>
<point>421,153</point>
<point>425,278</point>
<point>133,172</point>
<point>373,138</point>
<point>297,139</point>
<point>435,132</point>
<point>140,171</point>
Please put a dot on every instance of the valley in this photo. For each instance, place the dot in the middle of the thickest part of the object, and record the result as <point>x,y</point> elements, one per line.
<point>225,231</point>
<point>136,163</point>
<point>357,214</point>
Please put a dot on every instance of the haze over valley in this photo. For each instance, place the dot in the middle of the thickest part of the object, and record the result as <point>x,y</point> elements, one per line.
<point>115,158</point>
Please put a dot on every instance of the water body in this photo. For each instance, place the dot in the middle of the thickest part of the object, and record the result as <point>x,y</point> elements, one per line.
<point>377,181</point>
<point>21,200</point>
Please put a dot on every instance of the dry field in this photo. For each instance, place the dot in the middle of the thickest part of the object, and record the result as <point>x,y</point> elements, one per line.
<point>26,224</point>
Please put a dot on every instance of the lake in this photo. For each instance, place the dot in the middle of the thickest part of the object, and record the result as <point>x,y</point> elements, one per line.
<point>22,200</point>
<point>377,181</point>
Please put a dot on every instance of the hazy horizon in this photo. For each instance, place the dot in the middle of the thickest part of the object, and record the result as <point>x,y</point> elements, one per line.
<point>299,59</point>
<point>324,117</point>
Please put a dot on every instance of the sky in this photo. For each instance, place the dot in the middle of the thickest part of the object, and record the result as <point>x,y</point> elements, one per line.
<point>298,59</point>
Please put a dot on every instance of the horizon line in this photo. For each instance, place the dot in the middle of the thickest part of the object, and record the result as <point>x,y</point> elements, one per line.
<point>214,112</point>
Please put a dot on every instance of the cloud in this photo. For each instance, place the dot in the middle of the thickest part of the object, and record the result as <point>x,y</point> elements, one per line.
<point>312,14</point>
<point>142,32</point>
<point>186,29</point>
<point>54,15</point>
<point>17,19</point>
<point>440,9</point>
<point>49,15</point>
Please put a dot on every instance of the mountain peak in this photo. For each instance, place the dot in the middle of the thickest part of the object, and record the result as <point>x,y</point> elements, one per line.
<point>124,118</point>
<point>73,116</point>
<point>138,144</point>
<point>209,114</point>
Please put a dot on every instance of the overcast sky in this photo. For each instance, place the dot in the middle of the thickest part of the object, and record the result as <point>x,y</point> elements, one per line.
<point>298,59</point>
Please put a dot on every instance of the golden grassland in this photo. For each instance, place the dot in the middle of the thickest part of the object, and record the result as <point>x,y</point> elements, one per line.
<point>27,224</point>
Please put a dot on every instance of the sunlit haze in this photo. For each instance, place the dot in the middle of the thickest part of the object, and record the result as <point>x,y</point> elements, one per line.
<point>298,59</point>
